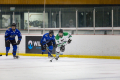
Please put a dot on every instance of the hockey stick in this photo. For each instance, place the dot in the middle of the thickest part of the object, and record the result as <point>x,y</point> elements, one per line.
<point>59,46</point>
<point>52,59</point>
<point>51,54</point>
<point>0,54</point>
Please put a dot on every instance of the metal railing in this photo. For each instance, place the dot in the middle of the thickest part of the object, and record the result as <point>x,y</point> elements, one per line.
<point>75,30</point>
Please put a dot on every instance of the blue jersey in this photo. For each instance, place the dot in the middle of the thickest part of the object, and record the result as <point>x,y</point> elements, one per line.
<point>46,39</point>
<point>10,34</point>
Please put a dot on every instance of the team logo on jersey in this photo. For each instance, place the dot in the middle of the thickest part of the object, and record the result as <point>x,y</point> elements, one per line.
<point>12,35</point>
<point>62,40</point>
<point>44,39</point>
<point>30,44</point>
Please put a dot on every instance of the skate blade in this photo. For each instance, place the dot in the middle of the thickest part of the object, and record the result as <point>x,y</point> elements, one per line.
<point>50,57</point>
<point>16,57</point>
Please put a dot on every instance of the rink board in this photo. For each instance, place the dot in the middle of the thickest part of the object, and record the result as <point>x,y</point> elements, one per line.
<point>82,46</point>
<point>70,56</point>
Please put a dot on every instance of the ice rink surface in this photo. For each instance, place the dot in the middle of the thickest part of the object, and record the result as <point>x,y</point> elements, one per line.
<point>39,68</point>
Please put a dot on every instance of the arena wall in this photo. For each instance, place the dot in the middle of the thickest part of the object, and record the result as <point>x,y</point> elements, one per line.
<point>87,45</point>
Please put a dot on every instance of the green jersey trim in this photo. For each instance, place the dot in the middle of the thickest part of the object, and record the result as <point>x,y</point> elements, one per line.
<point>57,37</point>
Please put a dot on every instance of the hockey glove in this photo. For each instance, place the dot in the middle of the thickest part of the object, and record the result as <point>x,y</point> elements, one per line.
<point>7,41</point>
<point>54,45</point>
<point>69,41</point>
<point>44,46</point>
<point>18,42</point>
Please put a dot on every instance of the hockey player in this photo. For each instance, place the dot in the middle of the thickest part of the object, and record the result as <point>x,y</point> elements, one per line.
<point>62,38</point>
<point>49,40</point>
<point>10,39</point>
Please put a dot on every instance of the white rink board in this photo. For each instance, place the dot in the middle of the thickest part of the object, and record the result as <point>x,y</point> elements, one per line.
<point>101,45</point>
<point>21,46</point>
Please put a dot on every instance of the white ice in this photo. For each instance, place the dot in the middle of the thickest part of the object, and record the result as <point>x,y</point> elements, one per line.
<point>39,68</point>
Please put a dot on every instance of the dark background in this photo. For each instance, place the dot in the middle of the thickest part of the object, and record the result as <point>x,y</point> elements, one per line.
<point>34,50</point>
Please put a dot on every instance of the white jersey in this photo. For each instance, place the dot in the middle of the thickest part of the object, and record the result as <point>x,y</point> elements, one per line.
<point>65,38</point>
<point>62,41</point>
